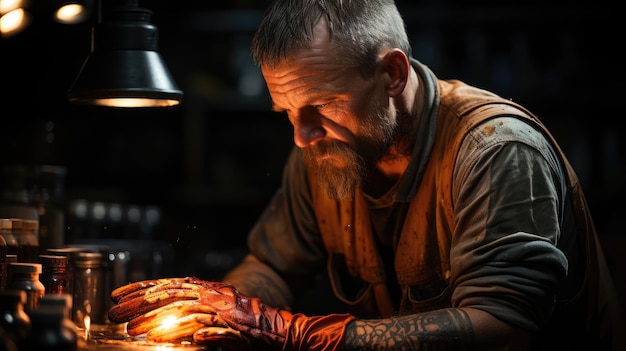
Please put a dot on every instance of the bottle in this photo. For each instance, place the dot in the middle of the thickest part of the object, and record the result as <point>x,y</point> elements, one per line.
<point>54,275</point>
<point>25,277</point>
<point>3,263</point>
<point>67,251</point>
<point>16,230</point>
<point>30,240</point>
<point>6,226</point>
<point>9,259</point>
<point>63,301</point>
<point>13,319</point>
<point>6,343</point>
<point>51,331</point>
<point>25,233</point>
<point>49,198</point>
<point>88,284</point>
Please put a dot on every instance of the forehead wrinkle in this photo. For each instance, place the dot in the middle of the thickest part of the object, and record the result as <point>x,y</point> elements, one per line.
<point>317,74</point>
<point>303,83</point>
<point>298,96</point>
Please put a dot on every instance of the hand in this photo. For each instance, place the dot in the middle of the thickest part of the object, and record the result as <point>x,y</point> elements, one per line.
<point>152,308</point>
<point>205,305</point>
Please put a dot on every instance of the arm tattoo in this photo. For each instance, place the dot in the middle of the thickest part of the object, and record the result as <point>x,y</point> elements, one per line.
<point>447,329</point>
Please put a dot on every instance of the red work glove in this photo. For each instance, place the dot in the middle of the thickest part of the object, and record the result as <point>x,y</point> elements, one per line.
<point>178,322</point>
<point>205,307</point>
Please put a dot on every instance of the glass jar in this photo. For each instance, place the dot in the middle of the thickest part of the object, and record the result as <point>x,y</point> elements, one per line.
<point>55,276</point>
<point>25,277</point>
<point>88,285</point>
<point>67,251</point>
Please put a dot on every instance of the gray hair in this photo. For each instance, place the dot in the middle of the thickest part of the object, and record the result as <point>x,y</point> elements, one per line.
<point>359,29</point>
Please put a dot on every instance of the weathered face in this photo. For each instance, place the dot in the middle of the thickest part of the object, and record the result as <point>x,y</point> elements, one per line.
<point>342,121</point>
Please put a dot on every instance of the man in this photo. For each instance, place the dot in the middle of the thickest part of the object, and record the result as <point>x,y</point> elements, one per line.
<point>447,217</point>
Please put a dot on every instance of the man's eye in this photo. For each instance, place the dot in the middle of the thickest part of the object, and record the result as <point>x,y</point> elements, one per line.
<point>320,106</point>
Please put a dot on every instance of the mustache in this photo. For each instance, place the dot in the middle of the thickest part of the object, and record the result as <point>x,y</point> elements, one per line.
<point>312,154</point>
<point>326,147</point>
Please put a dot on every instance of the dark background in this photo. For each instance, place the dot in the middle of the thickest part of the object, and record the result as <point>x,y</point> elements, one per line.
<point>209,165</point>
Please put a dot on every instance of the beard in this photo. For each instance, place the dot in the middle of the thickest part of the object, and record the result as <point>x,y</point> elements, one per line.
<point>339,181</point>
<point>342,168</point>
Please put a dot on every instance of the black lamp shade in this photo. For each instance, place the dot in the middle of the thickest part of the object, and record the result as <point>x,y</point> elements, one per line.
<point>124,68</point>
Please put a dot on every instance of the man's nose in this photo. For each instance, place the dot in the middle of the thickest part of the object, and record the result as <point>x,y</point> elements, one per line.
<point>307,130</point>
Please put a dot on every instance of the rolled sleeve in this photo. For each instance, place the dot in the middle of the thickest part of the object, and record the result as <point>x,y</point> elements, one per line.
<point>504,256</point>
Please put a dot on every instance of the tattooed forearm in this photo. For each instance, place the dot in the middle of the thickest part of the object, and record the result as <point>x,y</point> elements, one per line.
<point>449,329</point>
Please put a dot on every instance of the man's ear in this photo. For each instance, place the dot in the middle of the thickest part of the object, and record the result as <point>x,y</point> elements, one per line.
<point>396,64</point>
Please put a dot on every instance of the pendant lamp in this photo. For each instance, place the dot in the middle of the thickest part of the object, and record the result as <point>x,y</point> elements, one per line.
<point>124,68</point>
